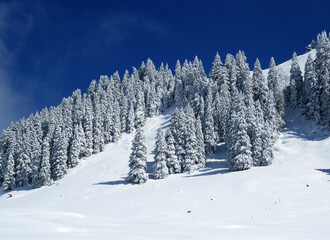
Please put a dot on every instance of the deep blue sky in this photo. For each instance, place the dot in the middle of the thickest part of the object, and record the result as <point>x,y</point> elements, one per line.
<point>50,48</point>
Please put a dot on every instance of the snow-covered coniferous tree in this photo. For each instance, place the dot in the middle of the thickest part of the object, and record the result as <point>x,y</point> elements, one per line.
<point>238,142</point>
<point>173,163</point>
<point>296,82</point>
<point>160,169</point>
<point>138,159</point>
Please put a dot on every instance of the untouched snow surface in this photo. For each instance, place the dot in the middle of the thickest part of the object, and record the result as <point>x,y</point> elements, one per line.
<point>288,200</point>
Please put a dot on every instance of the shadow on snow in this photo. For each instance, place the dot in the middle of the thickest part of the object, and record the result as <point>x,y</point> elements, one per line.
<point>298,126</point>
<point>123,181</point>
<point>215,164</point>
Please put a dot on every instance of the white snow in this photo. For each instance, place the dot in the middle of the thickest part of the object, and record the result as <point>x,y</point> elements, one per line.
<point>95,202</point>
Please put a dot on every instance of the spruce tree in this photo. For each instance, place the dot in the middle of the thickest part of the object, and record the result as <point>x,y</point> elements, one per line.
<point>296,81</point>
<point>59,155</point>
<point>209,136</point>
<point>237,140</point>
<point>201,159</point>
<point>191,157</point>
<point>216,70</point>
<point>311,90</point>
<point>140,110</point>
<point>88,125</point>
<point>9,174</point>
<point>178,91</point>
<point>44,174</point>
<point>75,148</point>
<point>258,134</point>
<point>275,88</point>
<point>172,161</point>
<point>272,74</point>
<point>160,169</point>
<point>130,118</point>
<point>322,72</point>
<point>138,159</point>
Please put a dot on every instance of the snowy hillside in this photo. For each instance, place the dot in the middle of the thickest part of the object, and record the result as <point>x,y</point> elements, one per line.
<point>284,68</point>
<point>287,200</point>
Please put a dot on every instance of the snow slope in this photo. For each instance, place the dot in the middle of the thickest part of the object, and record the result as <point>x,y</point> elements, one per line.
<point>95,202</point>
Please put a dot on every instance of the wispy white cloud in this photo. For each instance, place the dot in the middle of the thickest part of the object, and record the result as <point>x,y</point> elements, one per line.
<point>13,103</point>
<point>120,27</point>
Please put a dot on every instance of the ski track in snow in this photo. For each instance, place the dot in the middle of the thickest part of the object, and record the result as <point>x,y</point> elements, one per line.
<point>287,200</point>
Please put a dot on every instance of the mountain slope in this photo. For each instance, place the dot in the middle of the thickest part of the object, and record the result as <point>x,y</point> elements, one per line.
<point>95,202</point>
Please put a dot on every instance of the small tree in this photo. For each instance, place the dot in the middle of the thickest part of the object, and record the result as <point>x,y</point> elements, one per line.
<point>160,169</point>
<point>173,163</point>
<point>138,159</point>
<point>296,81</point>
<point>237,139</point>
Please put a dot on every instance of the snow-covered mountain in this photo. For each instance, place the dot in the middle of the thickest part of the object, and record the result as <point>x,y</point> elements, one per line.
<point>287,200</point>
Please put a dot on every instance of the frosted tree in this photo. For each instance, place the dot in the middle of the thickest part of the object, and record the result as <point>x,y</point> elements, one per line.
<point>108,123</point>
<point>77,146</point>
<point>216,70</point>
<point>123,112</point>
<point>130,121</point>
<point>8,143</point>
<point>172,161</point>
<point>178,91</point>
<point>191,157</point>
<point>322,65</point>
<point>311,90</point>
<point>181,133</point>
<point>88,125</point>
<point>272,74</point>
<point>59,155</point>
<point>257,135</point>
<point>209,136</point>
<point>138,159</point>
<point>160,169</point>
<point>22,159</point>
<point>325,97</point>
<point>44,175</point>
<point>222,106</point>
<point>23,170</point>
<point>268,142</point>
<point>9,174</point>
<point>77,108</point>
<point>237,140</point>
<point>178,129</point>
<point>116,127</point>
<point>296,81</point>
<point>260,85</point>
<point>275,88</point>
<point>140,110</point>
<point>98,139</point>
<point>230,64</point>
<point>243,82</point>
<point>200,144</point>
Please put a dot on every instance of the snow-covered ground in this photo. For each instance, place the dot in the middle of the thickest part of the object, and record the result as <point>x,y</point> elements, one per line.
<point>288,200</point>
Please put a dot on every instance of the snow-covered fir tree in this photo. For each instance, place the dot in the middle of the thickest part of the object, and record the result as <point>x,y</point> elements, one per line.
<point>138,159</point>
<point>311,90</point>
<point>209,133</point>
<point>172,161</point>
<point>59,154</point>
<point>160,169</point>
<point>275,88</point>
<point>239,154</point>
<point>201,162</point>
<point>257,134</point>
<point>296,82</point>
<point>191,158</point>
